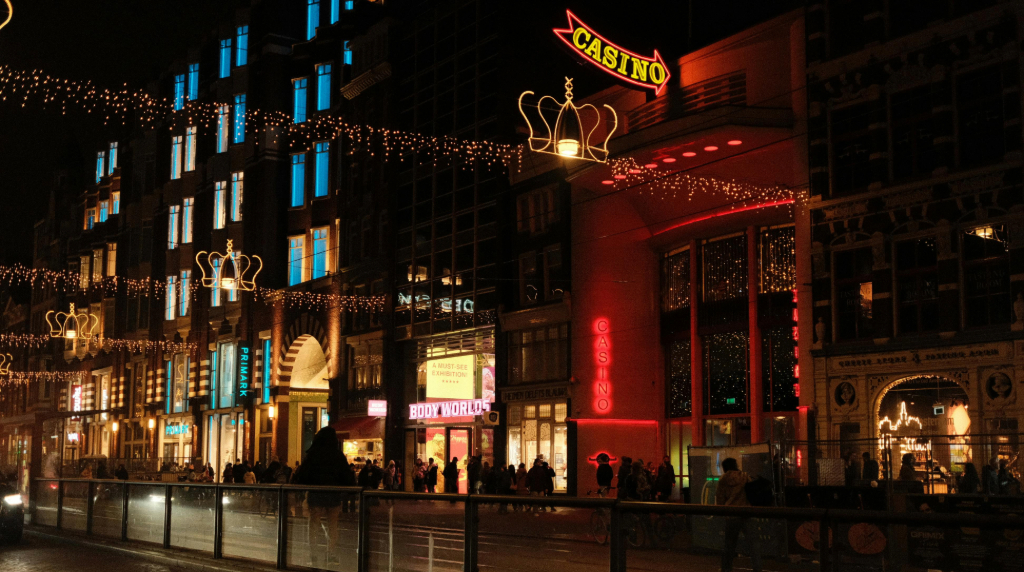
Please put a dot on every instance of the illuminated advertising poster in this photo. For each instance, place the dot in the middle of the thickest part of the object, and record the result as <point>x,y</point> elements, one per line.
<point>488,384</point>
<point>459,447</point>
<point>451,378</point>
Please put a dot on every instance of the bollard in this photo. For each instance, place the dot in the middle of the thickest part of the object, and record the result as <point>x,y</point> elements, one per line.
<point>124,511</point>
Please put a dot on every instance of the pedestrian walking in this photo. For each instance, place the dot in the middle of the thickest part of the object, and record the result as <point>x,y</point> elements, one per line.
<point>228,476</point>
<point>666,479</point>
<point>522,484</point>
<point>419,477</point>
<point>990,477</point>
<point>907,471</point>
<point>625,467</point>
<point>503,485</point>
<point>451,476</point>
<point>537,482</point>
<point>549,484</point>
<point>732,491</point>
<point>431,475</point>
<point>473,474</point>
<point>121,473</point>
<point>969,482</point>
<point>869,468</point>
<point>605,474</point>
<point>325,465</point>
<point>238,471</point>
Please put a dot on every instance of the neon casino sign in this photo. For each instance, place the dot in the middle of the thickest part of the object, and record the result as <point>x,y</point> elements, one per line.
<point>646,72</point>
<point>603,361</point>
<point>461,306</point>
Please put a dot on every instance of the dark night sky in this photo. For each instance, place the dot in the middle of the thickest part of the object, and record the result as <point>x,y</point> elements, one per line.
<point>114,42</point>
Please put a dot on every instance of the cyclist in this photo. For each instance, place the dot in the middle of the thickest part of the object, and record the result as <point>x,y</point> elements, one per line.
<point>604,475</point>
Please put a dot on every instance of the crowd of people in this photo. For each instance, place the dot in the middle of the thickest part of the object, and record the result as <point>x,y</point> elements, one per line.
<point>997,476</point>
<point>636,480</point>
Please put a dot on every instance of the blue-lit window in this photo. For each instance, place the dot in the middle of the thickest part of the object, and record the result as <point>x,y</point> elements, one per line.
<point>172,227</point>
<point>267,364</point>
<point>350,4</point>
<point>176,157</point>
<point>220,192</point>
<point>190,149</point>
<point>347,51</point>
<point>223,127</point>
<point>179,91</point>
<point>299,99</point>
<point>239,134</point>
<point>170,385</point>
<point>335,9</point>
<point>312,18</point>
<point>242,45</point>
<point>115,202</point>
<point>193,82</point>
<point>213,389</point>
<point>103,211</point>
<point>215,289</point>
<point>171,297</point>
<point>321,179</point>
<point>101,160</point>
<point>187,208</point>
<point>112,164</point>
<point>296,248</point>
<point>298,179</point>
<point>236,195</point>
<point>323,86</point>
<point>186,277</point>
<point>319,252</point>
<point>225,57</point>
<point>228,364</point>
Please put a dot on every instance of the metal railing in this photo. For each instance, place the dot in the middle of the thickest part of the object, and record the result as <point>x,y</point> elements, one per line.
<point>347,528</point>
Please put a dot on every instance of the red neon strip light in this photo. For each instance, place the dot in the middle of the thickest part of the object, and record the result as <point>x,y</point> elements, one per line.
<point>641,422</point>
<point>566,35</point>
<point>726,212</point>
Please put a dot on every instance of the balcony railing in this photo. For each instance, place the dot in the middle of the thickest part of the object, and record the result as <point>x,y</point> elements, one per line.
<point>350,529</point>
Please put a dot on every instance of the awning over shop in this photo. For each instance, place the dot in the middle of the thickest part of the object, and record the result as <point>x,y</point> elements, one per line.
<point>361,428</point>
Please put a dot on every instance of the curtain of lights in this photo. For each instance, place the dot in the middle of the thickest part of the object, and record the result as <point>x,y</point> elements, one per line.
<point>675,281</point>
<point>777,363</point>
<point>725,373</point>
<point>777,252</point>
<point>680,397</point>
<point>725,269</point>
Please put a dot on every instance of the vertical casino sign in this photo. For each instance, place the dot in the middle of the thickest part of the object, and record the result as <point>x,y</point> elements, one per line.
<point>602,363</point>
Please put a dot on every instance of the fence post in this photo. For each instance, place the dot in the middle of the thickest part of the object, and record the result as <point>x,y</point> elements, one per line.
<point>124,511</point>
<point>617,550</point>
<point>218,520</point>
<point>167,515</point>
<point>470,539</point>
<point>90,490</point>
<point>60,503</point>
<point>282,520</point>
<point>363,552</point>
<point>824,544</point>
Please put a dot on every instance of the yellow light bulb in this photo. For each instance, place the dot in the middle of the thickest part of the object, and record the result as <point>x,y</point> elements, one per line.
<point>568,147</point>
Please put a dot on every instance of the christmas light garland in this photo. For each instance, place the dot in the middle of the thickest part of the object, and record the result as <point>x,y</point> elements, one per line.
<point>24,377</point>
<point>136,346</point>
<point>626,172</point>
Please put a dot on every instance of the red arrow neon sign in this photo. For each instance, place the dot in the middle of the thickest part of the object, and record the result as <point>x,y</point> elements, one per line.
<point>627,66</point>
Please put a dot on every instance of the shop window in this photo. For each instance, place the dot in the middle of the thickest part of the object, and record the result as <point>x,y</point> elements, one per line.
<point>538,431</point>
<point>365,372</point>
<point>778,369</point>
<point>675,280</point>
<point>913,150</point>
<point>851,145</point>
<point>725,269</point>
<point>917,288</point>
<point>986,276</point>
<point>853,287</point>
<point>777,259</point>
<point>540,354</point>
<point>680,391</point>
<point>536,211</point>
<point>226,364</point>
<point>725,373</point>
<point>179,385</point>
<point>979,108</point>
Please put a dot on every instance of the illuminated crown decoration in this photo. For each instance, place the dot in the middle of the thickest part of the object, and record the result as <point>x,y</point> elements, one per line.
<point>5,363</point>
<point>570,138</point>
<point>229,270</point>
<point>72,325</point>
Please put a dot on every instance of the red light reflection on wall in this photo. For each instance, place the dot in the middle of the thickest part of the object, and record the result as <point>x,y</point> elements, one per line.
<point>603,361</point>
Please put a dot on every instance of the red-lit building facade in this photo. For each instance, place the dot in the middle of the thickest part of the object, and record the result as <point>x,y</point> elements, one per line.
<point>689,260</point>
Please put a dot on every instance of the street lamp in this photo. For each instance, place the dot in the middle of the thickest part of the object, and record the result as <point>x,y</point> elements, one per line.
<point>152,423</point>
<point>271,413</point>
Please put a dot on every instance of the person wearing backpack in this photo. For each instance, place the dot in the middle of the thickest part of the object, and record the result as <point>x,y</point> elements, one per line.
<point>732,491</point>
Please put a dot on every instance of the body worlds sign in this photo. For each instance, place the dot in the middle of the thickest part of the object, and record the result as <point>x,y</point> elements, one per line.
<point>441,409</point>
<point>647,72</point>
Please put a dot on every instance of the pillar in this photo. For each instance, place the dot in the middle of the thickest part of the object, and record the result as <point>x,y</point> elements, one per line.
<point>696,353</point>
<point>755,399</point>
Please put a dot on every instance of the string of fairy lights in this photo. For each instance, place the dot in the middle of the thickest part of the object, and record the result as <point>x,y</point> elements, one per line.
<point>626,172</point>
<point>98,342</point>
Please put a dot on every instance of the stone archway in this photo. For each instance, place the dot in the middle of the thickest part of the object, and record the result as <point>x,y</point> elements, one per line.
<point>929,387</point>
<point>305,364</point>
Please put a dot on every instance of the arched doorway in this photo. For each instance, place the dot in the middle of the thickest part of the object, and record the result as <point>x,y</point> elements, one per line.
<point>306,370</point>
<point>925,416</point>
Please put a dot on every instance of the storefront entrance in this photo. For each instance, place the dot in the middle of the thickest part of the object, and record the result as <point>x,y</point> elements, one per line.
<point>444,443</point>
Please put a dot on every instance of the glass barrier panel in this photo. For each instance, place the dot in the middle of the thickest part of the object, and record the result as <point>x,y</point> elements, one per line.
<point>106,508</point>
<point>46,503</point>
<point>542,538</point>
<point>73,511</point>
<point>412,536</point>
<point>250,524</point>
<point>322,530</point>
<point>146,513</point>
<point>192,517</point>
<point>656,541</point>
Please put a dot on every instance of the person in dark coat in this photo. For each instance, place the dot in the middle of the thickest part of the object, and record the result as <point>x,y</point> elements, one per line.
<point>537,480</point>
<point>605,474</point>
<point>665,480</point>
<point>364,475</point>
<point>625,468</point>
<point>549,483</point>
<point>121,473</point>
<point>869,470</point>
<point>324,465</point>
<point>474,474</point>
<point>239,470</point>
<point>228,476</point>
<point>451,476</point>
<point>431,475</point>
<point>503,485</point>
<point>969,482</point>
<point>270,474</point>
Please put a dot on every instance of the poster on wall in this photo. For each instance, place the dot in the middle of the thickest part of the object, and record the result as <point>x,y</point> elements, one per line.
<point>488,383</point>
<point>451,378</point>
